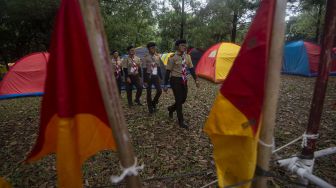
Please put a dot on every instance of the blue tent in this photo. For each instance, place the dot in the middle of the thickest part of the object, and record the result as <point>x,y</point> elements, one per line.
<point>302,58</point>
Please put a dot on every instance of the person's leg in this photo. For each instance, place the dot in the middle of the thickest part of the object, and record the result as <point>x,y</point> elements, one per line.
<point>174,87</point>
<point>119,85</point>
<point>129,93</point>
<point>156,82</point>
<point>179,109</point>
<point>179,101</point>
<point>138,86</point>
<point>149,96</point>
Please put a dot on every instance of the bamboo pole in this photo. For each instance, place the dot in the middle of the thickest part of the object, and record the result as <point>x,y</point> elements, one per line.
<point>99,49</point>
<point>271,90</point>
<point>322,79</point>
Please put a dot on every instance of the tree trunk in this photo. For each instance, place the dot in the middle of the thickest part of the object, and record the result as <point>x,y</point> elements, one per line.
<point>317,32</point>
<point>234,26</point>
<point>182,21</point>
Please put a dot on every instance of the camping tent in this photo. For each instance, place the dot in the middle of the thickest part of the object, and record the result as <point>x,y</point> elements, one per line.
<point>302,58</point>
<point>26,77</point>
<point>141,52</point>
<point>195,54</point>
<point>165,57</point>
<point>217,61</point>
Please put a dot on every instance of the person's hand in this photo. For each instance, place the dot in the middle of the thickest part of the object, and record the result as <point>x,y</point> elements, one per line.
<point>197,83</point>
<point>145,84</point>
<point>165,88</point>
<point>128,80</point>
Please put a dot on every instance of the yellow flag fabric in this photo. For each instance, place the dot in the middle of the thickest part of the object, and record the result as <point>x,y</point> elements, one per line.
<point>4,183</point>
<point>234,153</point>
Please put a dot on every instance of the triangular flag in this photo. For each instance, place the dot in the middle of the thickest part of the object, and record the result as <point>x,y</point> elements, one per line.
<point>74,123</point>
<point>233,123</point>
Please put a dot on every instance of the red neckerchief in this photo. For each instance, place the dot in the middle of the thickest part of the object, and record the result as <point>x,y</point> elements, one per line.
<point>184,69</point>
<point>117,69</point>
<point>153,64</point>
<point>134,65</point>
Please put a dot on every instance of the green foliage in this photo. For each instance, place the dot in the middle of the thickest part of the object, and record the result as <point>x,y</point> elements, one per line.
<point>128,22</point>
<point>307,25</point>
<point>25,26</point>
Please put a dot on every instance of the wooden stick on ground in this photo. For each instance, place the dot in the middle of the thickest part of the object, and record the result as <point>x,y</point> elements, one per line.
<point>108,86</point>
<point>271,90</point>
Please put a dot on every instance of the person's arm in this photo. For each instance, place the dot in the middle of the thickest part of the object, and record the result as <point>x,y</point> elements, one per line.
<point>146,75</point>
<point>126,73</point>
<point>167,76</point>
<point>124,68</point>
<point>139,70</point>
<point>169,68</point>
<point>192,70</point>
<point>159,72</point>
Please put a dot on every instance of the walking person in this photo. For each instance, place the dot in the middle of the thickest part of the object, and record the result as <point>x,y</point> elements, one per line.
<point>132,71</point>
<point>176,72</point>
<point>118,73</point>
<point>152,76</point>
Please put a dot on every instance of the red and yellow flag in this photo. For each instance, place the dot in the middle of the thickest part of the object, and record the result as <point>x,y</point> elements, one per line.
<point>233,123</point>
<point>74,123</point>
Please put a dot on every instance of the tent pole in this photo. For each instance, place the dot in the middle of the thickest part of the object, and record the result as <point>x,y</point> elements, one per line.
<point>322,79</point>
<point>271,90</point>
<point>99,49</point>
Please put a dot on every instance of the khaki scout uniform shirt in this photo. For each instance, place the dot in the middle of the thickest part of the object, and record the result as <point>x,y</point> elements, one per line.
<point>116,63</point>
<point>175,64</point>
<point>132,69</point>
<point>151,63</point>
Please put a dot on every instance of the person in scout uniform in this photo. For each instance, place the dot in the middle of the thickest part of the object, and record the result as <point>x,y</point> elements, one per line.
<point>176,71</point>
<point>132,71</point>
<point>152,76</point>
<point>116,65</point>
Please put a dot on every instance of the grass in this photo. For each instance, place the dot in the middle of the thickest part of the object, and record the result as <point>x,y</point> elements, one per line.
<point>164,148</point>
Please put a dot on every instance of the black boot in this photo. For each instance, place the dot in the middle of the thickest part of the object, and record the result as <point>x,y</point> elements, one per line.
<point>150,110</point>
<point>171,113</point>
<point>137,101</point>
<point>183,125</point>
<point>154,106</point>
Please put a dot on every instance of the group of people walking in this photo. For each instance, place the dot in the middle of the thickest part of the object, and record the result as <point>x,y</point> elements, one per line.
<point>129,71</point>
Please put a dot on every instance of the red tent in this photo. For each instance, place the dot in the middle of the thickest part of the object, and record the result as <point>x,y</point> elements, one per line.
<point>26,77</point>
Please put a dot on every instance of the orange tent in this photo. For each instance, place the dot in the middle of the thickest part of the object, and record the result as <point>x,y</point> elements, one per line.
<point>217,61</point>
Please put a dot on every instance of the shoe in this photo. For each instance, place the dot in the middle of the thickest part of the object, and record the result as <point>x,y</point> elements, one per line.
<point>150,110</point>
<point>130,105</point>
<point>138,102</point>
<point>184,126</point>
<point>154,106</point>
<point>171,113</point>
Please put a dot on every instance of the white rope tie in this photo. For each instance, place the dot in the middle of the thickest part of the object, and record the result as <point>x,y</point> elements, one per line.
<point>211,183</point>
<point>288,144</point>
<point>305,138</point>
<point>130,171</point>
<point>266,145</point>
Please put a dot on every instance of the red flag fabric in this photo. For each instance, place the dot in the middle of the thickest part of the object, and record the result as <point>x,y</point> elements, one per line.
<point>233,123</point>
<point>74,123</point>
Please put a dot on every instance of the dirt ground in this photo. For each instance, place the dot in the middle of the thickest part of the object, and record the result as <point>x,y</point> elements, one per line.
<point>173,157</point>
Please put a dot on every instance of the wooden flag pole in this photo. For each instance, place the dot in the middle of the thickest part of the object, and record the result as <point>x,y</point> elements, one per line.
<point>322,79</point>
<point>108,86</point>
<point>271,91</point>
